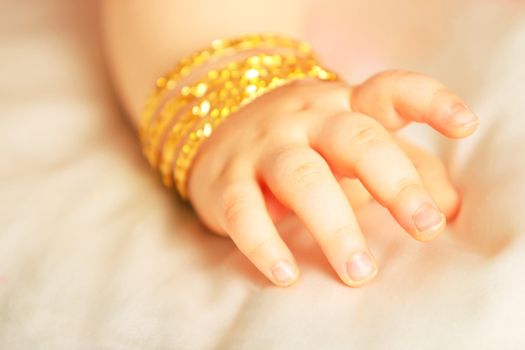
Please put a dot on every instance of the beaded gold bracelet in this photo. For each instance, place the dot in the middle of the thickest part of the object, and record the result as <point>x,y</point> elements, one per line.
<point>265,70</point>
<point>218,47</point>
<point>171,141</point>
<point>250,89</point>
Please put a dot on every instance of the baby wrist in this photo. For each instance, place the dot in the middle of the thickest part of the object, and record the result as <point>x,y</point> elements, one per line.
<point>180,115</point>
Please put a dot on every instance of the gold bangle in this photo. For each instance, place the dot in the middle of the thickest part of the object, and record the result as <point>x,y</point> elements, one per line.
<point>188,94</point>
<point>218,47</point>
<point>204,128</point>
<point>173,129</point>
<point>230,93</point>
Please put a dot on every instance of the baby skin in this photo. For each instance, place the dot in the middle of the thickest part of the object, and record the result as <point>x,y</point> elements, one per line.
<point>317,149</point>
<point>294,150</point>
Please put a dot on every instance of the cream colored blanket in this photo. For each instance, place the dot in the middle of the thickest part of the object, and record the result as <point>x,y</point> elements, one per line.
<point>95,254</point>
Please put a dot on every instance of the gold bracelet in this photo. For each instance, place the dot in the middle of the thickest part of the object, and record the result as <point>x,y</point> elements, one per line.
<point>171,141</point>
<point>252,90</point>
<point>219,47</point>
<point>188,95</point>
<point>232,92</point>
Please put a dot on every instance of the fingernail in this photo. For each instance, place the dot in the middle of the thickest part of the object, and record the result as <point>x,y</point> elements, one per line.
<point>283,272</point>
<point>428,220</point>
<point>360,267</point>
<point>464,118</point>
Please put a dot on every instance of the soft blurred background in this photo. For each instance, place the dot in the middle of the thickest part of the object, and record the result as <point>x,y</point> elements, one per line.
<point>95,254</point>
<point>441,37</point>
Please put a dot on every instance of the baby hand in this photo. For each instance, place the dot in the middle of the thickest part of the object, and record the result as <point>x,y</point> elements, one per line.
<point>287,149</point>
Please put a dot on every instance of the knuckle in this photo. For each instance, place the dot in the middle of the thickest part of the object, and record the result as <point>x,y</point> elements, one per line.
<point>404,187</point>
<point>234,203</point>
<point>369,134</point>
<point>232,170</point>
<point>338,235</point>
<point>281,127</point>
<point>298,169</point>
<point>306,174</point>
<point>292,96</point>
<point>257,248</point>
<point>337,124</point>
<point>284,155</point>
<point>442,94</point>
<point>304,95</point>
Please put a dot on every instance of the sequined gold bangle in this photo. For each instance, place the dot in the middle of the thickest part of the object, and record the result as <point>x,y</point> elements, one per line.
<point>258,71</point>
<point>253,88</point>
<point>173,129</point>
<point>218,47</point>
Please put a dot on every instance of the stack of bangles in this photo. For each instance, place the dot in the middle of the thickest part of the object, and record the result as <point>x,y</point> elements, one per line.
<point>179,116</point>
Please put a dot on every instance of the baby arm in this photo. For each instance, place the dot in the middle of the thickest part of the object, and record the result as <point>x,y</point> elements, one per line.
<point>290,149</point>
